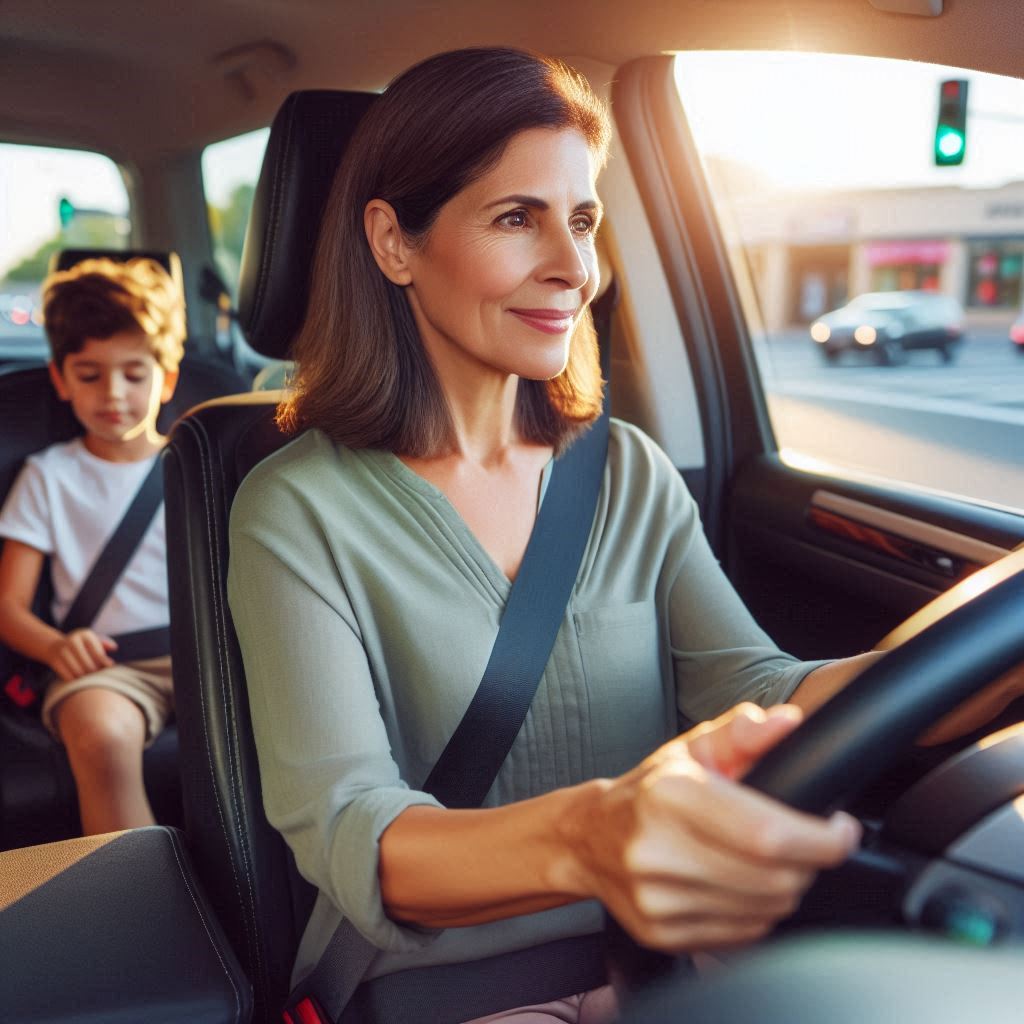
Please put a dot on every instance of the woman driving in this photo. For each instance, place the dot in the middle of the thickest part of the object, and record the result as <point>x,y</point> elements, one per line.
<point>447,359</point>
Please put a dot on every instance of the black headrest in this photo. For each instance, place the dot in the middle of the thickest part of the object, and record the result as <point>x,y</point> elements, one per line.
<point>65,259</point>
<point>307,140</point>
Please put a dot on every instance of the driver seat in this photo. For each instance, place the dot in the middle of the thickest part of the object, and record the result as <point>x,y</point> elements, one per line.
<point>244,864</point>
<point>246,868</point>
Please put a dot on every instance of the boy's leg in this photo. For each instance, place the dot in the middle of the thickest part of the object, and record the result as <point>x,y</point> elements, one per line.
<point>104,733</point>
<point>598,1006</point>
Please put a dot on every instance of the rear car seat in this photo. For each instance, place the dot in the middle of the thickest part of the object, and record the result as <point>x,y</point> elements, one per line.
<point>37,794</point>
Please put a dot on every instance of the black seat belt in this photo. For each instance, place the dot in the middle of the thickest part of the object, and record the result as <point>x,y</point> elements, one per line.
<point>477,749</point>
<point>23,686</point>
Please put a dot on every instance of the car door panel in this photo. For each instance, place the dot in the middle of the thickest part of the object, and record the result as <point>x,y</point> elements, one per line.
<point>828,566</point>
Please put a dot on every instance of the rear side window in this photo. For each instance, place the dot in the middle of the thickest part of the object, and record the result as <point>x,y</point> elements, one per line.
<point>50,199</point>
<point>230,171</point>
<point>879,288</point>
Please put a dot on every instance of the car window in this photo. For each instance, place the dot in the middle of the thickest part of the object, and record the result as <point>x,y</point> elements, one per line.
<point>883,300</point>
<point>230,170</point>
<point>50,199</point>
<point>879,288</point>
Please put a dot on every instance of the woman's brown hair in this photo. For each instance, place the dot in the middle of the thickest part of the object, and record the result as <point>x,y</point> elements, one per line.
<point>363,375</point>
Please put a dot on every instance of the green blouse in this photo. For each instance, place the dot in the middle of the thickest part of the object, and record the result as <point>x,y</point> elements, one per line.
<point>366,611</point>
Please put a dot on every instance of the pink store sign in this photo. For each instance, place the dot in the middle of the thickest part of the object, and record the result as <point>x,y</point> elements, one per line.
<point>890,254</point>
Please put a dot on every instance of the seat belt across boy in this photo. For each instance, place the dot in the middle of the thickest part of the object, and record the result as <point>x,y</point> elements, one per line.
<point>22,686</point>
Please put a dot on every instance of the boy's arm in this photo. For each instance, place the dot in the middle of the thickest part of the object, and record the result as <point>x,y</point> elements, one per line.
<point>20,569</point>
<point>70,656</point>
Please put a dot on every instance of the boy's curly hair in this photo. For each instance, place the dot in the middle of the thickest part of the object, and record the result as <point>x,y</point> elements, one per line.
<point>98,298</point>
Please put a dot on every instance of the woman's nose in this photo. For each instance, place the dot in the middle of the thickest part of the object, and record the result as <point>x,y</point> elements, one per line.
<point>565,262</point>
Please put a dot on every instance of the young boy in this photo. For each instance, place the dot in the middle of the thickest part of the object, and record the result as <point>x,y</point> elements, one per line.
<point>116,333</point>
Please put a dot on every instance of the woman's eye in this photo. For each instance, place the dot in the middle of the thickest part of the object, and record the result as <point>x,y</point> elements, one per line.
<point>514,219</point>
<point>87,380</point>
<point>583,225</point>
<point>134,379</point>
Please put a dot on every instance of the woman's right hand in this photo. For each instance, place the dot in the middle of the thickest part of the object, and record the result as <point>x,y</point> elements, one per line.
<point>685,857</point>
<point>80,652</point>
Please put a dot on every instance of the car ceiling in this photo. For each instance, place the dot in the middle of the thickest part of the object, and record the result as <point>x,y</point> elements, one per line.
<point>141,81</point>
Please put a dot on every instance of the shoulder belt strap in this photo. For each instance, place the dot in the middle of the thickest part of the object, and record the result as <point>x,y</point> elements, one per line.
<point>534,612</point>
<point>117,553</point>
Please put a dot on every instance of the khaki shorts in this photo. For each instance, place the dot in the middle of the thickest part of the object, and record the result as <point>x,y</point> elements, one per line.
<point>147,684</point>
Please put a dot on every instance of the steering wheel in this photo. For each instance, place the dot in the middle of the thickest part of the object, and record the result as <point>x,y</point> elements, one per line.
<point>943,654</point>
<point>947,652</point>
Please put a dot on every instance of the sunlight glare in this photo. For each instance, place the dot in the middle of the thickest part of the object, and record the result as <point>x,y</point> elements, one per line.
<point>808,120</point>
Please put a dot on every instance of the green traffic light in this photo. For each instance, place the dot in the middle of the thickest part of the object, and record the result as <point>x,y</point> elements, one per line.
<point>66,211</point>
<point>949,145</point>
<point>951,123</point>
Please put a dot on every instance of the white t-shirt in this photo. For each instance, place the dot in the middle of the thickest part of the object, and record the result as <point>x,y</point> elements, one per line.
<point>67,503</point>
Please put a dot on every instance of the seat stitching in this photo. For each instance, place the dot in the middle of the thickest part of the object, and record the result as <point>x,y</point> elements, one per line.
<point>274,220</point>
<point>223,661</point>
<point>206,928</point>
<point>191,426</point>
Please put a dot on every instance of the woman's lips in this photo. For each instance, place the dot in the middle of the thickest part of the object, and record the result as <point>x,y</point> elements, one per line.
<point>550,321</point>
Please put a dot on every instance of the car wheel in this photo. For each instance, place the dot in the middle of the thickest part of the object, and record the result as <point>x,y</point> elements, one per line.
<point>948,351</point>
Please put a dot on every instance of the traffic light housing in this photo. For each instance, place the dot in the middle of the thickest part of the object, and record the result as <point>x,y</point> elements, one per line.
<point>951,127</point>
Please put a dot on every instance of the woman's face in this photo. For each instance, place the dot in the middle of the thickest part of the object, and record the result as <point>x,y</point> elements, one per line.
<point>509,265</point>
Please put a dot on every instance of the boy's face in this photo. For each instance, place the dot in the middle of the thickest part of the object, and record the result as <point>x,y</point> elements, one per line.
<point>115,386</point>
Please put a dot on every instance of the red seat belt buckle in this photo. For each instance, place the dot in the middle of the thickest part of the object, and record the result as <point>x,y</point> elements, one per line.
<point>21,694</point>
<point>306,1011</point>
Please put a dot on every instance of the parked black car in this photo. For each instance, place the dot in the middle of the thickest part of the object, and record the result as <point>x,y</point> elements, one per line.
<point>887,325</point>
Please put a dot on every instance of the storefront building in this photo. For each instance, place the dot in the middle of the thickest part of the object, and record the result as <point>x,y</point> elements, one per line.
<point>812,253</point>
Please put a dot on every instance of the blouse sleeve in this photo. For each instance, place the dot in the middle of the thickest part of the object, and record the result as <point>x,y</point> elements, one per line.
<point>720,655</point>
<point>330,783</point>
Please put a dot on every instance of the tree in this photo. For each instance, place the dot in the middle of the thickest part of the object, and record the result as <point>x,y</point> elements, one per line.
<point>228,225</point>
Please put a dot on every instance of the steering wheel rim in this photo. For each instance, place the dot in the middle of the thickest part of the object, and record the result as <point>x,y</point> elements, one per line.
<point>864,729</point>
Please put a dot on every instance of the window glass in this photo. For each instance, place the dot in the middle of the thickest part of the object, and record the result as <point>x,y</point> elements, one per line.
<point>842,232</point>
<point>50,199</point>
<point>230,171</point>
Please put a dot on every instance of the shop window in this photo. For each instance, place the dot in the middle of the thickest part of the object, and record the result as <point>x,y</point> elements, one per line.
<point>995,274</point>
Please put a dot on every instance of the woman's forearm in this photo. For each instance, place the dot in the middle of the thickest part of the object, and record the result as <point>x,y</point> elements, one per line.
<point>441,868</point>
<point>981,708</point>
<point>824,682</point>
<point>682,855</point>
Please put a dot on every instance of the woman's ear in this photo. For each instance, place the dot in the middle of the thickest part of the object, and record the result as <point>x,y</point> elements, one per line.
<point>387,243</point>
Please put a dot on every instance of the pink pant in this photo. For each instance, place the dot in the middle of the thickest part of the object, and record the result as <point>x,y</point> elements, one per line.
<point>598,1006</point>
